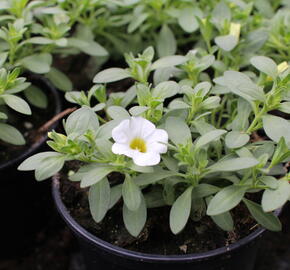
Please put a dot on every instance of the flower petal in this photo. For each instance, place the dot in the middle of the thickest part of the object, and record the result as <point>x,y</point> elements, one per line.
<point>141,127</point>
<point>157,141</point>
<point>146,159</point>
<point>121,133</point>
<point>122,149</point>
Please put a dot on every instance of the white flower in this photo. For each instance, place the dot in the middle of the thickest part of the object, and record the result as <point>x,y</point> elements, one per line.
<point>139,139</point>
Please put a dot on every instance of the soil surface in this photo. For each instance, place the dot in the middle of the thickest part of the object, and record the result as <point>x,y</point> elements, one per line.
<point>28,125</point>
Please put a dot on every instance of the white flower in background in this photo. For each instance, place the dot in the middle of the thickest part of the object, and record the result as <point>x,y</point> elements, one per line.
<point>139,139</point>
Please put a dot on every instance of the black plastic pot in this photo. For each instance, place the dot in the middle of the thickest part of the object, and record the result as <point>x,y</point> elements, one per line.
<point>23,202</point>
<point>102,255</point>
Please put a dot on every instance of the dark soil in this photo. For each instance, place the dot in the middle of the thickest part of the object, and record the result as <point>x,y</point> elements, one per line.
<point>156,236</point>
<point>28,125</point>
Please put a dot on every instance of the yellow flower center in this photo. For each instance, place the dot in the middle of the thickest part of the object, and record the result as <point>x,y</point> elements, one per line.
<point>138,144</point>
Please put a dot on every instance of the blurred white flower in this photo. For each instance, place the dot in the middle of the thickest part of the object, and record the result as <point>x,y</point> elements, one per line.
<point>139,139</point>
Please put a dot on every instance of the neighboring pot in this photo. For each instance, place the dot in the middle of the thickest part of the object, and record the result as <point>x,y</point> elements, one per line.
<point>24,203</point>
<point>99,254</point>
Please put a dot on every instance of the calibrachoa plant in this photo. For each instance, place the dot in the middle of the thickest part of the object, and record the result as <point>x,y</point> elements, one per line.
<point>183,141</point>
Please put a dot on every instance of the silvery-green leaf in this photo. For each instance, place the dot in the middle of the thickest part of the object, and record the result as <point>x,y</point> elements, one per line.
<point>187,20</point>
<point>99,199</point>
<point>276,127</point>
<point>81,120</point>
<point>227,42</point>
<point>138,110</point>
<point>136,21</point>
<point>135,220</point>
<point>233,164</point>
<point>131,194</point>
<point>95,175</point>
<point>16,103</point>
<point>59,79</point>
<point>180,211</point>
<point>209,137</point>
<point>178,131</point>
<point>267,220</point>
<point>34,161</point>
<point>165,90</point>
<point>166,42</point>
<point>49,166</point>
<point>284,107</point>
<point>225,200</point>
<point>274,199</point>
<point>37,63</point>
<point>111,75</point>
<point>266,65</point>
<point>169,61</point>
<point>224,220</point>
<point>36,97</point>
<point>11,135</point>
<point>116,194</point>
<point>117,113</point>
<point>236,139</point>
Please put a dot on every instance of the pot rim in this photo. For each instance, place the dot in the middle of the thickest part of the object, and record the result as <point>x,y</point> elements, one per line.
<point>134,255</point>
<point>41,141</point>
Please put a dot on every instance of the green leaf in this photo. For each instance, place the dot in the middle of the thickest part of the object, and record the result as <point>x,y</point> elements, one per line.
<point>265,65</point>
<point>135,220</point>
<point>224,220</point>
<point>117,113</point>
<point>240,84</point>
<point>187,20</point>
<point>209,137</point>
<point>227,42</point>
<point>37,63</point>
<point>89,47</point>
<point>3,58</point>
<point>36,97</point>
<point>34,161</point>
<point>284,107</point>
<point>169,61</point>
<point>236,139</point>
<point>116,194</point>
<point>166,42</point>
<point>274,199</point>
<point>11,135</point>
<point>111,75</point>
<point>138,110</point>
<point>95,175</point>
<point>99,199</point>
<point>3,116</point>
<point>136,21</point>
<point>170,163</point>
<point>178,131</point>
<point>131,194</point>
<point>269,181</point>
<point>204,190</point>
<point>49,166</point>
<point>16,103</point>
<point>276,127</point>
<point>39,40</point>
<point>59,79</point>
<point>225,200</point>
<point>180,211</point>
<point>165,90</point>
<point>233,164</point>
<point>267,220</point>
<point>81,120</point>
<point>150,178</point>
